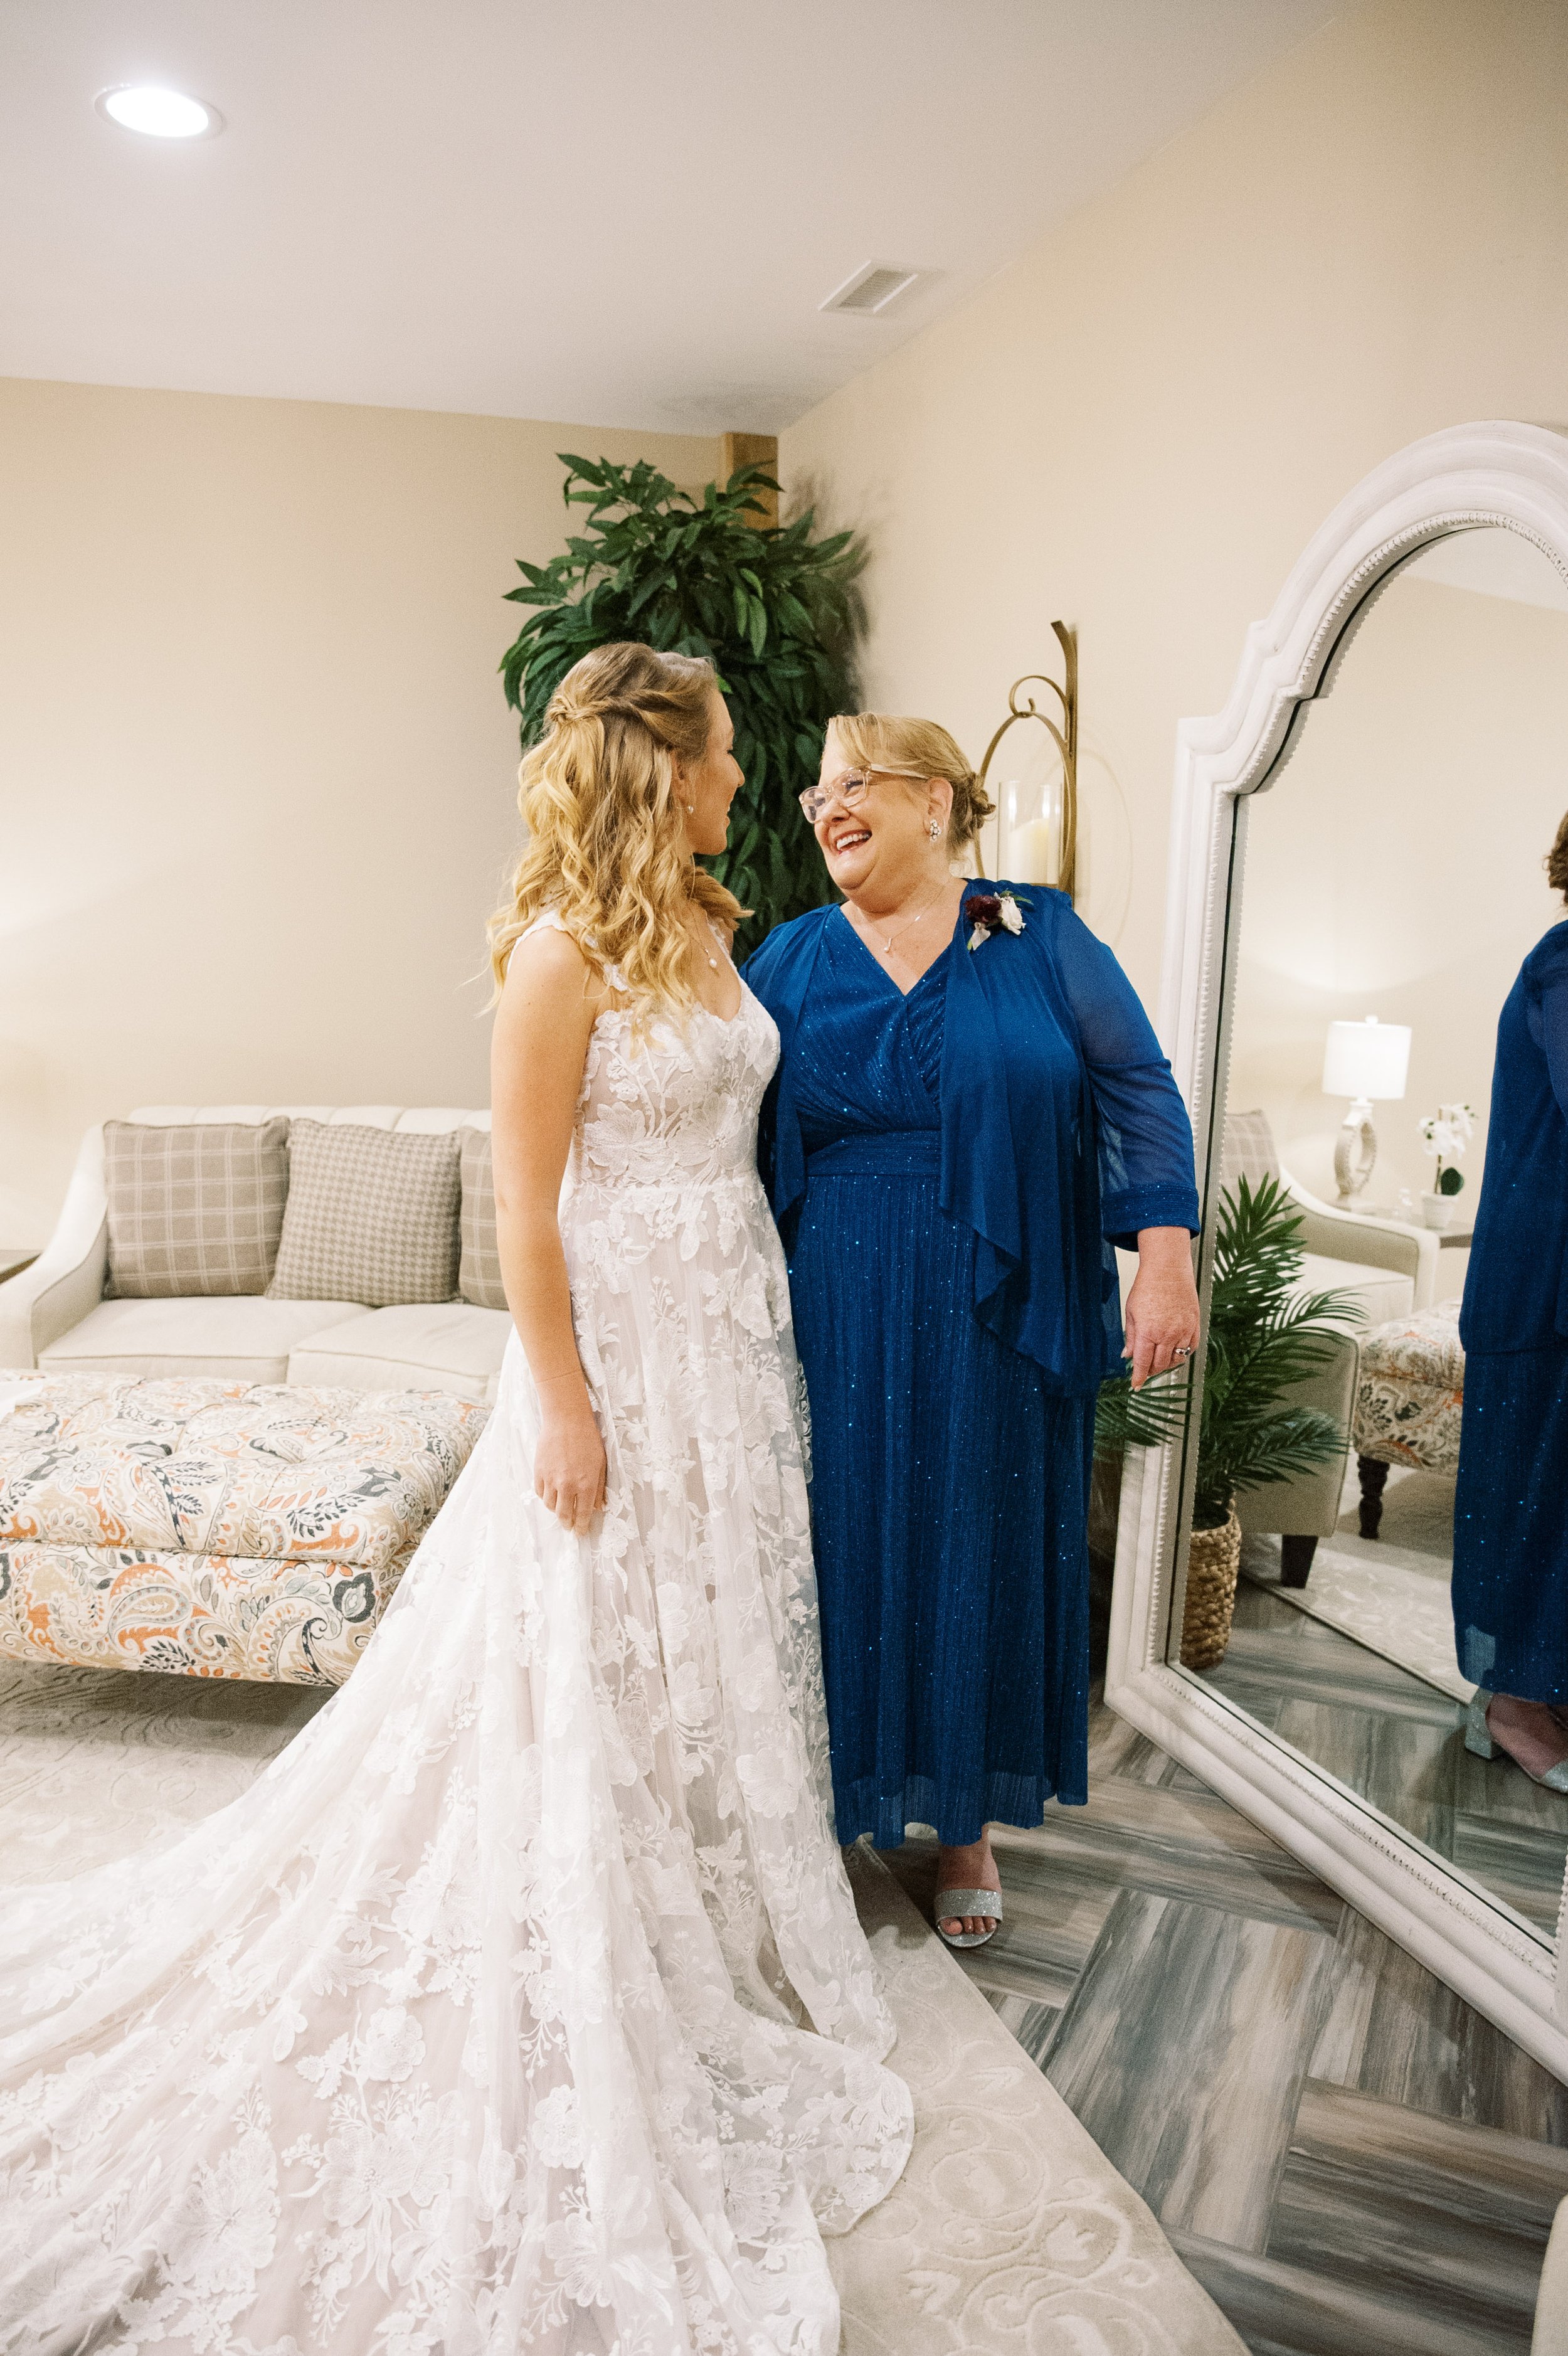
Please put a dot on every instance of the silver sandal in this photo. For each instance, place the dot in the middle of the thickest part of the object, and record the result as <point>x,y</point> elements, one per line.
<point>959,1902</point>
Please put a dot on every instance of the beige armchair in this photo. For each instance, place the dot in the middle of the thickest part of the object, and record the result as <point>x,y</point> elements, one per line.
<point>1391,1270</point>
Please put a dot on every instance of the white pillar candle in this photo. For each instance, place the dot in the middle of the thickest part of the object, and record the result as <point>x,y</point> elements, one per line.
<point>1033,851</point>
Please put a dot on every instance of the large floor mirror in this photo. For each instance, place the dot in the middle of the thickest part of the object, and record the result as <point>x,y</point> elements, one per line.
<point>1358,873</point>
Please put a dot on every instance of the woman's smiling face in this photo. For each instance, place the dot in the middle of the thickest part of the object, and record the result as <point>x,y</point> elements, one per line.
<point>886,834</point>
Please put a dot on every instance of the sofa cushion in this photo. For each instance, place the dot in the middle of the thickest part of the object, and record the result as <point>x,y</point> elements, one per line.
<point>1381,1292</point>
<point>479,1273</point>
<point>371,1216</point>
<point>248,1340</point>
<point>439,1346</point>
<point>197,1209</point>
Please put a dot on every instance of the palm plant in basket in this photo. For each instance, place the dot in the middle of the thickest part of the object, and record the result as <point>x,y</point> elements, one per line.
<point>1264,1337</point>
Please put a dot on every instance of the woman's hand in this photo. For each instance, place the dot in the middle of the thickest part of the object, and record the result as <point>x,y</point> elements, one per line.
<point>569,1464</point>
<point>1162,1307</point>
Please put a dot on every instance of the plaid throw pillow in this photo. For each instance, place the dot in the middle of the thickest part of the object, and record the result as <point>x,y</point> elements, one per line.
<point>194,1206</point>
<point>479,1276</point>
<point>372,1216</point>
<point>1249,1151</point>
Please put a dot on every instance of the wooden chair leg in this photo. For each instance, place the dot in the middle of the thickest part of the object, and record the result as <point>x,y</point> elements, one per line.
<point>1374,1481</point>
<point>1295,1560</point>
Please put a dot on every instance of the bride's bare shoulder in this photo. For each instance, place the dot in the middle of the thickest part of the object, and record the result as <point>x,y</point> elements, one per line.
<point>548,971</point>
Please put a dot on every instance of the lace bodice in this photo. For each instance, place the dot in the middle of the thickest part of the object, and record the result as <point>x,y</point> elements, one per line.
<point>674,1107</point>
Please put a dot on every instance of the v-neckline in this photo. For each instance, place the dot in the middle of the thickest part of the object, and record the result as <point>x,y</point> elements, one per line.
<point>905,995</point>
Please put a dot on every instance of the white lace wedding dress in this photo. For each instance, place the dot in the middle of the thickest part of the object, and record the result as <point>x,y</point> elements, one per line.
<point>479,2024</point>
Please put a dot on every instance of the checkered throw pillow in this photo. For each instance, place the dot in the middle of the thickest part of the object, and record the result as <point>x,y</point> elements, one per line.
<point>372,1216</point>
<point>194,1206</point>
<point>1249,1150</point>
<point>479,1276</point>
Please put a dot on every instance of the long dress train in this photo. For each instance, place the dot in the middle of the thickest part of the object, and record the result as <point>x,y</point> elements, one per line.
<point>521,2003</point>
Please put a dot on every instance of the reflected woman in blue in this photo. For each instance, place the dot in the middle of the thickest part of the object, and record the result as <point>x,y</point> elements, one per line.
<point>1510,1507</point>
<point>970,1109</point>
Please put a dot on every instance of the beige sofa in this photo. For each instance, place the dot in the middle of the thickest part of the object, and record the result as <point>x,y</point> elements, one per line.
<point>53,1316</point>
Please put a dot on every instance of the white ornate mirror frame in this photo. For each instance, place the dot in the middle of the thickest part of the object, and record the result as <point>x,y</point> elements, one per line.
<point>1465,478</point>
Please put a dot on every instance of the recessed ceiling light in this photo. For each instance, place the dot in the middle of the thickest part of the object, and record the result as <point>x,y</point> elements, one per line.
<point>159,113</point>
<point>873,287</point>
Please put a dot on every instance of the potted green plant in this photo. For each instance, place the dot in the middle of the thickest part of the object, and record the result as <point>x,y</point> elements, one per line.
<point>1263,1336</point>
<point>776,611</point>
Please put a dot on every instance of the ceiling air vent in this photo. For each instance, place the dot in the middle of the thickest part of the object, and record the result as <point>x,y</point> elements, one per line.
<point>874,288</point>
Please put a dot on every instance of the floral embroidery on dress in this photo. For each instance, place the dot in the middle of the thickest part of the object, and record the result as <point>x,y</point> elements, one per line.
<point>484,2020</point>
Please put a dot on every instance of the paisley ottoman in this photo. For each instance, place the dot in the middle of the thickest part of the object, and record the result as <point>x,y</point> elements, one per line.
<point>213,1528</point>
<point>1410,1397</point>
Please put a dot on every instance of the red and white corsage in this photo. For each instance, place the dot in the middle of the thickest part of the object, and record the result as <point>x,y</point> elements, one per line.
<point>991,912</point>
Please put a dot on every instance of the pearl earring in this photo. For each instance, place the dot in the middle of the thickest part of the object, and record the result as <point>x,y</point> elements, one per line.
<point>933,829</point>
<point>690,808</point>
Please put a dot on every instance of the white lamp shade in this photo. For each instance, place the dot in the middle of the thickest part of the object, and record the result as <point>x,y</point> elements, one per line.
<point>1366,1059</point>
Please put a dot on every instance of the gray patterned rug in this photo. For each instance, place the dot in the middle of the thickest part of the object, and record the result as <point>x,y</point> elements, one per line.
<point>1010,2234</point>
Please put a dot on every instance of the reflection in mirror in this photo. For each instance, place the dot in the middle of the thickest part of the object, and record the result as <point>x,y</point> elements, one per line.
<point>1392,882</point>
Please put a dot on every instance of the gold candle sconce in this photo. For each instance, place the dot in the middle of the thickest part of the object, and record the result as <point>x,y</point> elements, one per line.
<point>1040,844</point>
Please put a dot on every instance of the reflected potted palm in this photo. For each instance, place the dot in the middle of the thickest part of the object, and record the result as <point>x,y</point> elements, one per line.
<point>1264,1337</point>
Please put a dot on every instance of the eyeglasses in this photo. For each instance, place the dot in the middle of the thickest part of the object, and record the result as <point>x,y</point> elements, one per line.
<point>850,789</point>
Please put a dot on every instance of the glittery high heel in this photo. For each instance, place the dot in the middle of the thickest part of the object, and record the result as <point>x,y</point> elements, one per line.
<point>1478,1735</point>
<point>1479,1739</point>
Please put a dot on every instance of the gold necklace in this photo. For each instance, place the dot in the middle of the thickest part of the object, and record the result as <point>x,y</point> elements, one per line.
<point>900,930</point>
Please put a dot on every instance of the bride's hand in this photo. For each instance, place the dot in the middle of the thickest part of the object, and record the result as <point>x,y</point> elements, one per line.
<point>569,1467</point>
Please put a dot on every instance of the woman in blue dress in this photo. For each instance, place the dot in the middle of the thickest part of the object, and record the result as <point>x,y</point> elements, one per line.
<point>970,1109</point>
<point>1510,1507</point>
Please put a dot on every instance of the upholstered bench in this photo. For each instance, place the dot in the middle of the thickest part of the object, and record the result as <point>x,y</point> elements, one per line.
<point>1410,1397</point>
<point>213,1528</point>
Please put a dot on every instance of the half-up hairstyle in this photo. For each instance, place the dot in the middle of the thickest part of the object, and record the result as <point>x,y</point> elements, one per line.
<point>606,848</point>
<point>1557,862</point>
<point>871,738</point>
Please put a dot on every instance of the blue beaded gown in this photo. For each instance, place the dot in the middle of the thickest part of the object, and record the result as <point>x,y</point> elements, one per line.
<point>950,1469</point>
<point>1511,1507</point>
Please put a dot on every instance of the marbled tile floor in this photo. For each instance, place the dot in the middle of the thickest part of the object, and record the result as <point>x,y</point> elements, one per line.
<point>1399,1742</point>
<point>1352,2161</point>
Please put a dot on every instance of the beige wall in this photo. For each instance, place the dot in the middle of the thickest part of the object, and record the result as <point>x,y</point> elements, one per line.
<point>1140,425</point>
<point>1394,868</point>
<point>257,776</point>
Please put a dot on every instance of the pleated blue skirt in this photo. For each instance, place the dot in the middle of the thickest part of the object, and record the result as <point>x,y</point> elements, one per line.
<point>950,1506</point>
<point>1510,1523</point>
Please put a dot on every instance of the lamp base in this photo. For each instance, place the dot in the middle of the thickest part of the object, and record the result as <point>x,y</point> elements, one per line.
<point>1355,1149</point>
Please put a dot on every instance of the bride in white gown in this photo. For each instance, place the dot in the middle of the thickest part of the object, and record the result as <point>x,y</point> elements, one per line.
<point>521,2003</point>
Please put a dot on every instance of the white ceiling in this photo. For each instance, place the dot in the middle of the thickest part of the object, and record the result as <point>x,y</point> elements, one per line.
<point>618,211</point>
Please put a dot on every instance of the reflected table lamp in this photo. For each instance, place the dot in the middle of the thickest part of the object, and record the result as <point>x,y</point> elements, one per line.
<point>1366,1062</point>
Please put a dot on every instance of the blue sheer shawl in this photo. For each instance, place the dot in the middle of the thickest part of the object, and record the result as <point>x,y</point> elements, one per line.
<point>1062,1130</point>
<point>1516,1288</point>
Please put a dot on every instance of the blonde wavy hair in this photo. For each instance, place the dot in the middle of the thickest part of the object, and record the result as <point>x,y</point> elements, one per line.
<point>605,849</point>
<point>870,739</point>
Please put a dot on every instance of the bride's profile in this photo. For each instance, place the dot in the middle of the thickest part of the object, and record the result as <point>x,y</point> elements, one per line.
<point>521,2003</point>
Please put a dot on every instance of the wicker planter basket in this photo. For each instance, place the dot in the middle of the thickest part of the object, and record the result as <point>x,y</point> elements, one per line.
<point>1211,1562</point>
